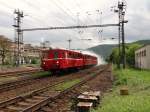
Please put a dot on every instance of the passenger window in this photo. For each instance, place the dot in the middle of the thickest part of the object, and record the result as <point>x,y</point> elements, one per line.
<point>63,54</point>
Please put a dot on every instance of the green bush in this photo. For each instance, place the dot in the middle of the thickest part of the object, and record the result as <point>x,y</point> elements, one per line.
<point>34,61</point>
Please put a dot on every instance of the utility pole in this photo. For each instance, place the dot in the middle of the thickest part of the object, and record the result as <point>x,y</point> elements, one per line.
<point>119,39</point>
<point>123,43</point>
<point>121,13</point>
<point>69,41</point>
<point>121,7</point>
<point>18,37</point>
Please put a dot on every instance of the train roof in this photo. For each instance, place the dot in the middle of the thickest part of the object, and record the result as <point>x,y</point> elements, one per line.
<point>64,50</point>
<point>89,55</point>
<point>74,51</point>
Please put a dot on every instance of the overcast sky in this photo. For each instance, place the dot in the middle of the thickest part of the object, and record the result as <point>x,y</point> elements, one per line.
<point>46,13</point>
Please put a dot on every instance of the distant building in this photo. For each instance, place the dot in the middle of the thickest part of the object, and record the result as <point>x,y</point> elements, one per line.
<point>142,57</point>
<point>30,52</point>
<point>45,45</point>
<point>27,52</point>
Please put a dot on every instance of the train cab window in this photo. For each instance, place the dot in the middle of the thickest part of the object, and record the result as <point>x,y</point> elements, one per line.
<point>55,55</point>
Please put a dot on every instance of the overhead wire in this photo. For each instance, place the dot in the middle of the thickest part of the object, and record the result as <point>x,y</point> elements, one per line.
<point>79,21</point>
<point>59,8</point>
<point>66,11</point>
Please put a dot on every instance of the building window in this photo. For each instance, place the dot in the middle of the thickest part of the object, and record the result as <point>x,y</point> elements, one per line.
<point>140,53</point>
<point>144,52</point>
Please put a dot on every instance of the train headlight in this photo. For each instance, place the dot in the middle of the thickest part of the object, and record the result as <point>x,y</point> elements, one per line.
<point>44,63</point>
<point>57,62</point>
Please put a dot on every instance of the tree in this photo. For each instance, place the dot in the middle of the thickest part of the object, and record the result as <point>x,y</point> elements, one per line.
<point>130,54</point>
<point>130,57</point>
<point>5,45</point>
<point>113,57</point>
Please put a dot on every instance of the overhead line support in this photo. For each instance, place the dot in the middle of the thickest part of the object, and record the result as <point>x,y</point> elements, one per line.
<point>70,27</point>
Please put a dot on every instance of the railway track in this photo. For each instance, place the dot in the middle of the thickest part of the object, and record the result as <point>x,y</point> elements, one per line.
<point>20,82</point>
<point>25,81</point>
<point>19,73</point>
<point>15,84</point>
<point>35,100</point>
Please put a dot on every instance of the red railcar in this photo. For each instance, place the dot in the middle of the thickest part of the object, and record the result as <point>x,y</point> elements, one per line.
<point>89,60</point>
<point>60,59</point>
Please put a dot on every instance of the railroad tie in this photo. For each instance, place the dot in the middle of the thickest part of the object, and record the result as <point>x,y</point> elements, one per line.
<point>15,108</point>
<point>32,100</point>
<point>94,93</point>
<point>47,109</point>
<point>2,111</point>
<point>39,97</point>
<point>23,104</point>
<point>84,106</point>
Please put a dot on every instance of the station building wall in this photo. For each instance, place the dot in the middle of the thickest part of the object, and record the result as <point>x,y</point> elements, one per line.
<point>142,57</point>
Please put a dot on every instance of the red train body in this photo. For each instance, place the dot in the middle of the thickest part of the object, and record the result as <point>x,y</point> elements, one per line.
<point>59,59</point>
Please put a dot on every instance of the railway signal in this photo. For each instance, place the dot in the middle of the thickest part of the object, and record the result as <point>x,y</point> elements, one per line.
<point>18,37</point>
<point>121,13</point>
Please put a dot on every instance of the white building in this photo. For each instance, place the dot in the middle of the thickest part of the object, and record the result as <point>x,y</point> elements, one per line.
<point>142,57</point>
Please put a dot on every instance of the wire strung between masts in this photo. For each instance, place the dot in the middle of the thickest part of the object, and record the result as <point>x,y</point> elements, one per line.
<point>70,27</point>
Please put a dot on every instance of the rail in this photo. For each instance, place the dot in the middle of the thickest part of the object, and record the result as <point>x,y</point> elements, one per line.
<point>46,99</point>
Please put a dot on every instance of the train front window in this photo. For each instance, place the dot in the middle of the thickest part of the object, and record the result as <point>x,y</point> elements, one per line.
<point>55,55</point>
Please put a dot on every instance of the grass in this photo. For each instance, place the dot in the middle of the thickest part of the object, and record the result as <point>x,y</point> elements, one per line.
<point>31,65</point>
<point>41,74</point>
<point>67,84</point>
<point>138,99</point>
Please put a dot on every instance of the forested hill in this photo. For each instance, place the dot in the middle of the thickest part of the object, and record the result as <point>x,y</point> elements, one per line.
<point>103,50</point>
<point>106,49</point>
<point>142,42</point>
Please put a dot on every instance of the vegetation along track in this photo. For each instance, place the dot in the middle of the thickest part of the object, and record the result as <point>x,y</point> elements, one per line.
<point>39,98</point>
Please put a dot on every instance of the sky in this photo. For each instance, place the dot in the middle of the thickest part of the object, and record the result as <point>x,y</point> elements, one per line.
<point>48,13</point>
